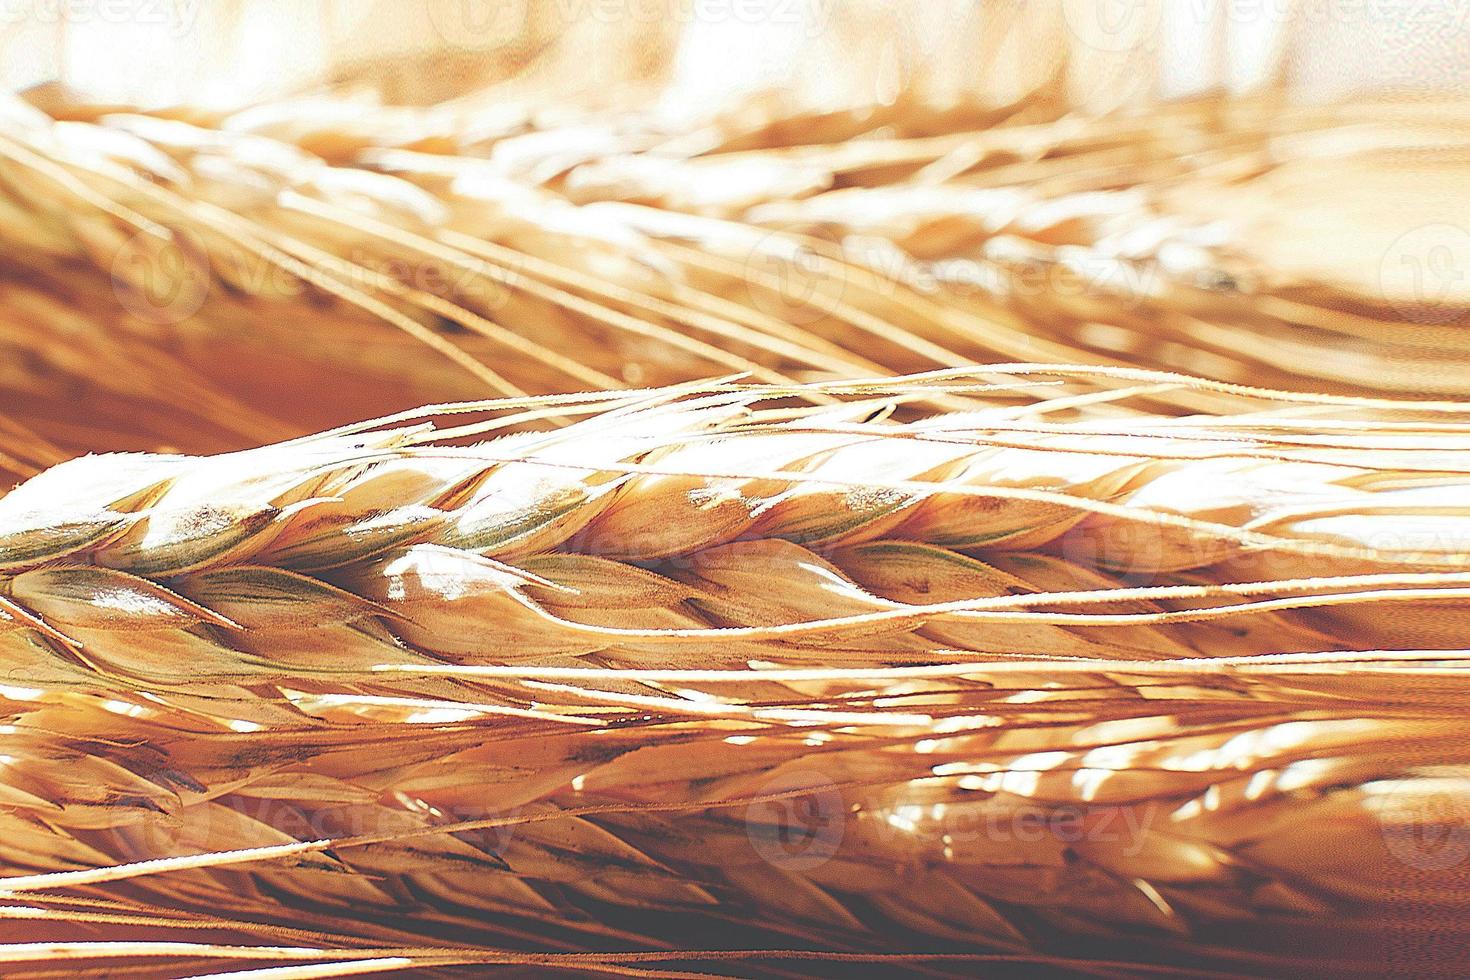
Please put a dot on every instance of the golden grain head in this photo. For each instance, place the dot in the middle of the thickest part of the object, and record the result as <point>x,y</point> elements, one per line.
<point>708,656</point>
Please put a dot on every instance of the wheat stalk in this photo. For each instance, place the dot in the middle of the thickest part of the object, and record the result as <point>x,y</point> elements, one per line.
<point>1146,689</point>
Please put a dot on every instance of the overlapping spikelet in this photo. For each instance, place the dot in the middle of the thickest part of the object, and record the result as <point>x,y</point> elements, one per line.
<point>753,667</point>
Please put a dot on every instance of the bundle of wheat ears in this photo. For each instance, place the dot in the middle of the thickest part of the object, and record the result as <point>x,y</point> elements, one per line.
<point>901,539</point>
<point>712,668</point>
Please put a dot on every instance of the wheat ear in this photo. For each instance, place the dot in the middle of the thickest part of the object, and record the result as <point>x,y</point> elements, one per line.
<point>1035,689</point>
<point>226,270</point>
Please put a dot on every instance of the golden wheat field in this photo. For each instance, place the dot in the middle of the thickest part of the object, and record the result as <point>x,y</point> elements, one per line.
<point>763,488</point>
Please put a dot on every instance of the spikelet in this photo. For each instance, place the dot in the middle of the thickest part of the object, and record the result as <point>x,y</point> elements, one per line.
<point>716,668</point>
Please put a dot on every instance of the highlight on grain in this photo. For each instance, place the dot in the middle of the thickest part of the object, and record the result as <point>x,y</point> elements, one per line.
<point>749,490</point>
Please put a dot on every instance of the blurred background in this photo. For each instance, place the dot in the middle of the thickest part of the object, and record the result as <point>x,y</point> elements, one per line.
<point>705,52</point>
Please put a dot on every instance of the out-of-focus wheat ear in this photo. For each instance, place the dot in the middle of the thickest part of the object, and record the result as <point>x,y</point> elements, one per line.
<point>228,269</point>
